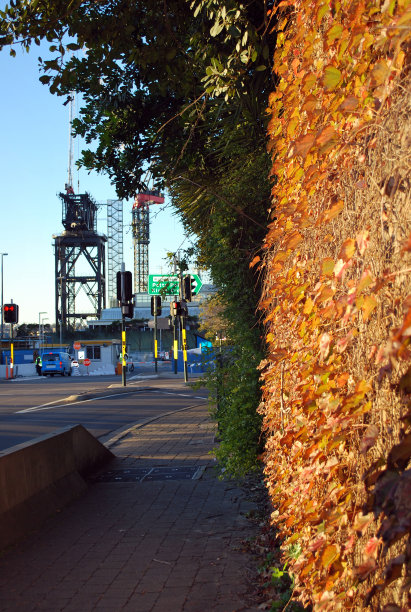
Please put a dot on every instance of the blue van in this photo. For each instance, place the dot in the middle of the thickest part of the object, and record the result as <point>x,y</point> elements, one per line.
<point>56,363</point>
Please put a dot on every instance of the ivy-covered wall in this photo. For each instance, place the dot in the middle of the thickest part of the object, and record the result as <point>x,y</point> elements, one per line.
<point>337,307</point>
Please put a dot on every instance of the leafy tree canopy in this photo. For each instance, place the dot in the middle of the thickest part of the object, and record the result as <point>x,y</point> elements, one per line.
<point>150,73</point>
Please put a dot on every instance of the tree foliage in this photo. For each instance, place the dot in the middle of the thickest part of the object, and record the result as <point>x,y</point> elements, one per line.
<point>180,87</point>
<point>149,72</point>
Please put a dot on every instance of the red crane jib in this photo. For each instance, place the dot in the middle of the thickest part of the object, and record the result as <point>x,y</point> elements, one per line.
<point>153,197</point>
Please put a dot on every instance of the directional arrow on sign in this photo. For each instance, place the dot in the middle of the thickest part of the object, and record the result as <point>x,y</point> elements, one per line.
<point>198,282</point>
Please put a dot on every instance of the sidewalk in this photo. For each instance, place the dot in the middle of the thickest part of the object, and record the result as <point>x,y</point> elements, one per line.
<point>146,537</point>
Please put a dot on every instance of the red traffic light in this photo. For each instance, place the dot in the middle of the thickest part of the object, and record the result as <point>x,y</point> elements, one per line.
<point>11,313</point>
<point>175,309</point>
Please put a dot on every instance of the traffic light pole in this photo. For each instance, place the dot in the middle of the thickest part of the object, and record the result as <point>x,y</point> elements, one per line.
<point>123,330</point>
<point>184,342</point>
<point>175,343</point>
<point>123,352</point>
<point>11,352</point>
<point>155,342</point>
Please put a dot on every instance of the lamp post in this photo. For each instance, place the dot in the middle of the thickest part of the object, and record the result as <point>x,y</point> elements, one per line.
<point>40,313</point>
<point>61,278</point>
<point>42,327</point>
<point>2,255</point>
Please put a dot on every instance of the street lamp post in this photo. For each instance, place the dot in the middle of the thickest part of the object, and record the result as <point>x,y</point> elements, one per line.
<point>42,328</point>
<point>40,313</point>
<point>61,278</point>
<point>2,255</point>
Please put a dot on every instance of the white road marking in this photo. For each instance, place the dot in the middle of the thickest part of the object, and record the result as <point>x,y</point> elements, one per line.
<point>51,405</point>
<point>48,407</point>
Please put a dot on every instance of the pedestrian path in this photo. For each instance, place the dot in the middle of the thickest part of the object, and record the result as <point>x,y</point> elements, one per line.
<point>157,531</point>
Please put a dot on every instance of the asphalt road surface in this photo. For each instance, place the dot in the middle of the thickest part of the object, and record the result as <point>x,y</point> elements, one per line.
<point>31,408</point>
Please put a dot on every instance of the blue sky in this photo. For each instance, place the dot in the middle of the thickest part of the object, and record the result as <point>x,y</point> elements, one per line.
<point>33,170</point>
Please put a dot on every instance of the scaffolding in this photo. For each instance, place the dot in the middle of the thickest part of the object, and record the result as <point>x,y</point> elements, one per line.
<point>114,248</point>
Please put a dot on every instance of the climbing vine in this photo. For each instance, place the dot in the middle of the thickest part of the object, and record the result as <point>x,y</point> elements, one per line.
<point>337,301</point>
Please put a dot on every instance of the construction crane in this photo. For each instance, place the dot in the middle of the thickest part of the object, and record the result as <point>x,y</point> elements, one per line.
<point>140,225</point>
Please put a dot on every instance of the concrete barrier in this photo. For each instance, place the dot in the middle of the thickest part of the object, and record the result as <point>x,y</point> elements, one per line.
<point>20,369</point>
<point>43,475</point>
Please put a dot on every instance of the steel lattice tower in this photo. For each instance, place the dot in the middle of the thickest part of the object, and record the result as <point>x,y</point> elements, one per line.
<point>79,247</point>
<point>114,247</point>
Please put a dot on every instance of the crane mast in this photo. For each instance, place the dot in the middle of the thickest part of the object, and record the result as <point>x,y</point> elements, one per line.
<point>140,225</point>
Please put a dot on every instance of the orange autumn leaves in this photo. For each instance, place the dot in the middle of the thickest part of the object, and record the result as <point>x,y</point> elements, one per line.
<point>336,64</point>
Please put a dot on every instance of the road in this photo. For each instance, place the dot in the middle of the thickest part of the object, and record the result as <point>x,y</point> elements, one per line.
<point>31,408</point>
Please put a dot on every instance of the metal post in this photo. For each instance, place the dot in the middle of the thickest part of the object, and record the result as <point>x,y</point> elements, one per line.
<point>184,342</point>
<point>11,352</point>
<point>42,329</point>
<point>175,343</point>
<point>60,311</point>
<point>155,339</point>
<point>2,316</point>
<point>40,313</point>
<point>123,330</point>
<point>123,351</point>
<point>182,327</point>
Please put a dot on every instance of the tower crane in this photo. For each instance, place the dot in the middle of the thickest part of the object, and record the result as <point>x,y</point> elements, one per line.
<point>140,225</point>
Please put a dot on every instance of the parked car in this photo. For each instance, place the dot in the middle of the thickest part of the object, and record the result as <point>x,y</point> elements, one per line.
<point>56,362</point>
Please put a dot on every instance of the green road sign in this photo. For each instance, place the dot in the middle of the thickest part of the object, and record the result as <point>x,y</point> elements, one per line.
<point>165,284</point>
<point>168,284</point>
<point>199,284</point>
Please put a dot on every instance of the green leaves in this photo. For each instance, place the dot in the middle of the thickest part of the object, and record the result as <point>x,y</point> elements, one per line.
<point>332,78</point>
<point>217,28</point>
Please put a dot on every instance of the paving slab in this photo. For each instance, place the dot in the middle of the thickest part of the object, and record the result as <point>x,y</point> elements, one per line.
<point>150,544</point>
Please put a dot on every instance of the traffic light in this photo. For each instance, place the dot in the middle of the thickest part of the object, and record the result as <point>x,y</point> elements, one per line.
<point>11,313</point>
<point>156,305</point>
<point>183,309</point>
<point>189,286</point>
<point>175,309</point>
<point>127,310</point>
<point>128,287</point>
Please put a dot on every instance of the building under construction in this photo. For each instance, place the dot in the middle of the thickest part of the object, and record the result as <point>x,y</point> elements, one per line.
<point>79,261</point>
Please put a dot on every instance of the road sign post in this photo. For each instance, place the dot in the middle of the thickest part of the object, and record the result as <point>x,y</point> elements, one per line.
<point>155,311</point>
<point>124,296</point>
